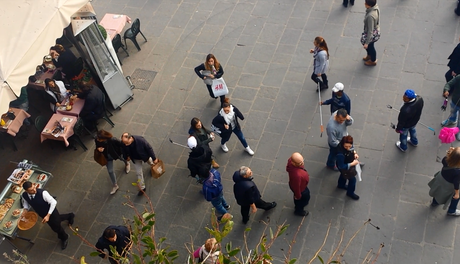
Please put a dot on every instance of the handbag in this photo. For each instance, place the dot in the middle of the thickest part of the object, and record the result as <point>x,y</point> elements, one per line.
<point>350,173</point>
<point>219,87</point>
<point>157,169</point>
<point>99,157</point>
<point>375,36</point>
<point>208,80</point>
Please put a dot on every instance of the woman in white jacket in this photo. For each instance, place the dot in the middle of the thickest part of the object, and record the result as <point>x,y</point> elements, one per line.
<point>320,63</point>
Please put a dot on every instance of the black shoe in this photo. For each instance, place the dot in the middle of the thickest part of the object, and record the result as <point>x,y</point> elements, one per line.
<point>352,2</point>
<point>324,86</point>
<point>140,193</point>
<point>343,187</point>
<point>245,221</point>
<point>456,12</point>
<point>272,205</point>
<point>64,243</point>
<point>353,196</point>
<point>345,4</point>
<point>227,207</point>
<point>303,213</point>
<point>71,218</point>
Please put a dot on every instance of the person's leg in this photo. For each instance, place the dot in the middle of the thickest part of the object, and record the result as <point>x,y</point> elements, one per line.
<point>224,202</point>
<point>351,186</point>
<point>453,112</point>
<point>315,78</point>
<point>341,182</point>
<point>111,172</point>
<point>211,93</point>
<point>224,138</point>
<point>222,99</point>
<point>403,138</point>
<point>139,173</point>
<point>371,51</point>
<point>325,81</point>
<point>55,224</point>
<point>434,202</point>
<point>453,206</point>
<point>245,213</point>
<point>331,157</point>
<point>413,136</point>
<point>263,204</point>
<point>217,203</point>
<point>305,197</point>
<point>345,3</point>
<point>240,136</point>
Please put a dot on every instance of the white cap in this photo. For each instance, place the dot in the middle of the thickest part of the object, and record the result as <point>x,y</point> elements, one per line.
<point>191,142</point>
<point>337,87</point>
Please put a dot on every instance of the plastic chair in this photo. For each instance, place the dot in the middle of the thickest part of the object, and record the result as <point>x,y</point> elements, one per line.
<point>117,44</point>
<point>132,32</point>
<point>106,116</point>
<point>40,123</point>
<point>77,132</point>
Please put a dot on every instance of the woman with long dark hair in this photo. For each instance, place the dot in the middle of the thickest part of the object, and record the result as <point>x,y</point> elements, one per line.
<point>111,148</point>
<point>55,93</point>
<point>210,69</point>
<point>347,159</point>
<point>203,136</point>
<point>320,62</point>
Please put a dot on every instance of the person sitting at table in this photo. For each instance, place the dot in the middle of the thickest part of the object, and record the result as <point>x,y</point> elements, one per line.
<point>55,93</point>
<point>93,109</point>
<point>64,59</point>
<point>22,102</point>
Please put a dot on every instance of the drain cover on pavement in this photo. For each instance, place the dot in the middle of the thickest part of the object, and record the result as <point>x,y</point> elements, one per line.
<point>142,79</point>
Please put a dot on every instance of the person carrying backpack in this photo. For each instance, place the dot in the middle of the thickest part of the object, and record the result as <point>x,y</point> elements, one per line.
<point>213,192</point>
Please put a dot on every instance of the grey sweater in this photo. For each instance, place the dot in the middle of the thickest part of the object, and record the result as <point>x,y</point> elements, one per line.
<point>371,21</point>
<point>321,62</point>
<point>336,131</point>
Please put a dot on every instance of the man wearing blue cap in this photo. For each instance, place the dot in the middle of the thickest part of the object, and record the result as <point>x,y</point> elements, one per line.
<point>409,115</point>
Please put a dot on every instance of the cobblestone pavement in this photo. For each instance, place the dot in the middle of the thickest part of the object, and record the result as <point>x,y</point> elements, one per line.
<point>263,46</point>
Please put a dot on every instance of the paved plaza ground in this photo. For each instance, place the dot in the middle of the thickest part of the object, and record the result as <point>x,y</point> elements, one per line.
<point>263,46</point>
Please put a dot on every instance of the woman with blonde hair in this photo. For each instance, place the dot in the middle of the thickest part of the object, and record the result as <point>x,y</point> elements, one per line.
<point>320,62</point>
<point>208,253</point>
<point>210,69</point>
<point>444,188</point>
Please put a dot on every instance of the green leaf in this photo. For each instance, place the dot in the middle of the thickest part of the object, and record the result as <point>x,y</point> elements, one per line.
<point>228,247</point>
<point>320,259</point>
<point>94,254</point>
<point>271,233</point>
<point>247,229</point>
<point>134,183</point>
<point>162,239</point>
<point>262,246</point>
<point>266,256</point>
<point>292,261</point>
<point>146,228</point>
<point>227,228</point>
<point>283,229</point>
<point>234,252</point>
<point>172,253</point>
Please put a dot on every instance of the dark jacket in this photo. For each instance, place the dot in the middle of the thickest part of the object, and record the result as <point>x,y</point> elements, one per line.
<point>40,206</point>
<point>338,103</point>
<point>218,122</point>
<point>199,161</point>
<point>454,60</point>
<point>410,113</point>
<point>123,239</point>
<point>141,149</point>
<point>453,87</point>
<point>245,190</point>
<point>111,147</point>
<point>344,158</point>
<point>201,135</point>
<point>67,61</point>
<point>94,106</point>
<point>201,67</point>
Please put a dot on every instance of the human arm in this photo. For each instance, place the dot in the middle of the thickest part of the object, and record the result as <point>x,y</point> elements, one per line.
<point>25,204</point>
<point>327,102</point>
<point>148,148</point>
<point>238,113</point>
<point>198,70</point>
<point>450,85</point>
<point>52,202</point>
<point>253,207</point>
<point>348,106</point>
<point>219,73</point>
<point>349,120</point>
<point>369,27</point>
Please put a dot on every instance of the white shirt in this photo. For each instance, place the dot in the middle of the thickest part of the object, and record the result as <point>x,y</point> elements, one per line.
<point>46,196</point>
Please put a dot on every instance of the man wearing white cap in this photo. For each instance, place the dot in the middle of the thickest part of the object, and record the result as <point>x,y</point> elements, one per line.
<point>199,160</point>
<point>339,99</point>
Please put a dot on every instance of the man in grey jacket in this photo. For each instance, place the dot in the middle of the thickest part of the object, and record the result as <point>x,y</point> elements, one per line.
<point>336,129</point>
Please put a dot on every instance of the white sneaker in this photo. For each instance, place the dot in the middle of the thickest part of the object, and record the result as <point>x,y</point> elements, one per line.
<point>127,167</point>
<point>224,147</point>
<point>114,189</point>
<point>249,150</point>
<point>457,213</point>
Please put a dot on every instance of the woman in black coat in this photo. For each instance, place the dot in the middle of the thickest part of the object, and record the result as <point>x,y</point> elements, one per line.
<point>454,63</point>
<point>111,148</point>
<point>203,136</point>
<point>209,70</point>
<point>226,122</point>
<point>347,160</point>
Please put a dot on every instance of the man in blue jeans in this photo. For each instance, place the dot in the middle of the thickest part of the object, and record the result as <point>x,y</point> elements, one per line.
<point>408,117</point>
<point>336,129</point>
<point>453,88</point>
<point>213,192</point>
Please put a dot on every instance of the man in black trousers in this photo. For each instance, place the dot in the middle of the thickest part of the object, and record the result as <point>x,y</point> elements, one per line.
<point>247,194</point>
<point>45,206</point>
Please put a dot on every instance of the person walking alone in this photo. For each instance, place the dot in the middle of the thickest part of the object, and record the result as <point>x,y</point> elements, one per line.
<point>320,63</point>
<point>408,117</point>
<point>453,88</point>
<point>210,69</point>
<point>371,23</point>
<point>298,183</point>
<point>339,99</point>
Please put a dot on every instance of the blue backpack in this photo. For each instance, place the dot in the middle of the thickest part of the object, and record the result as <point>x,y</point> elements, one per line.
<point>212,186</point>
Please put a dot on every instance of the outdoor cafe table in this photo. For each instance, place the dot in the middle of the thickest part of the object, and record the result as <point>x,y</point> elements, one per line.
<point>76,108</point>
<point>39,83</point>
<point>14,125</point>
<point>68,128</point>
<point>114,23</point>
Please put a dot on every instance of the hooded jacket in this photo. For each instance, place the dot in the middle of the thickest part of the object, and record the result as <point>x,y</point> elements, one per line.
<point>337,103</point>
<point>410,113</point>
<point>111,147</point>
<point>199,161</point>
<point>123,239</point>
<point>139,149</point>
<point>298,179</point>
<point>245,190</point>
<point>219,121</point>
<point>454,60</point>
<point>371,21</point>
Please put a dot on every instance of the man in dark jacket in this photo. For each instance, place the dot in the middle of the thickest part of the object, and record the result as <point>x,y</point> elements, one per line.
<point>45,206</point>
<point>247,194</point>
<point>454,61</point>
<point>138,150</point>
<point>93,109</point>
<point>408,117</point>
<point>199,159</point>
<point>339,99</point>
<point>115,236</point>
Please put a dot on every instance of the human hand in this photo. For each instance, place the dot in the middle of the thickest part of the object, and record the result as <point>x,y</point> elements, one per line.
<point>58,104</point>
<point>311,50</point>
<point>354,163</point>
<point>456,196</point>
<point>356,156</point>
<point>365,46</point>
<point>398,131</point>
<point>446,94</point>
<point>155,161</point>
<point>320,103</point>
<point>348,117</point>
<point>100,149</point>
<point>226,126</point>
<point>454,74</point>
<point>212,76</point>
<point>254,208</point>
<point>46,219</point>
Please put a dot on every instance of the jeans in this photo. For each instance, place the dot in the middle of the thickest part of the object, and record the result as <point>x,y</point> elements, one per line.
<point>351,184</point>
<point>211,93</point>
<point>219,203</point>
<point>315,78</point>
<point>259,204</point>
<point>140,174</point>
<point>332,156</point>
<point>238,133</point>
<point>452,206</point>
<point>112,175</point>
<point>300,204</point>
<point>403,137</point>
<point>371,51</point>
<point>454,112</point>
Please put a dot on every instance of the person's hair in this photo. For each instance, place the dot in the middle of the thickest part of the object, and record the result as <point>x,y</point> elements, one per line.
<point>47,82</point>
<point>102,134</point>
<point>194,122</point>
<point>346,139</point>
<point>342,112</point>
<point>127,135</point>
<point>216,62</point>
<point>26,185</point>
<point>210,245</point>
<point>371,3</point>
<point>58,48</point>
<point>322,44</point>
<point>226,102</point>
<point>453,158</point>
<point>109,232</point>
<point>243,170</point>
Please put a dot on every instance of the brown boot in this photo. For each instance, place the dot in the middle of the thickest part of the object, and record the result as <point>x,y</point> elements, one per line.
<point>214,164</point>
<point>370,63</point>
<point>367,58</point>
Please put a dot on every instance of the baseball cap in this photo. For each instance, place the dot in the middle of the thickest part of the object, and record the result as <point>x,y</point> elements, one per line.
<point>410,94</point>
<point>337,87</point>
<point>191,142</point>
